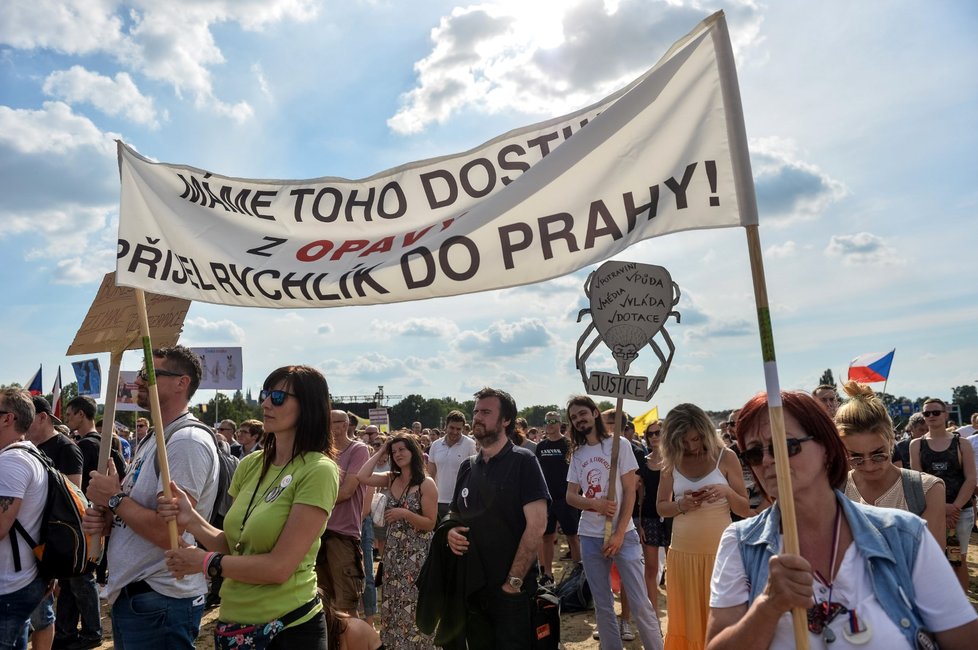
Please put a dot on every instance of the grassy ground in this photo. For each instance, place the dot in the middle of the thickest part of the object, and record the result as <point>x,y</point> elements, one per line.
<point>575,628</point>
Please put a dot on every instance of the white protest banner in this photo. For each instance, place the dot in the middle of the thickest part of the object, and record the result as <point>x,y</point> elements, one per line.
<point>221,366</point>
<point>656,157</point>
<point>380,418</point>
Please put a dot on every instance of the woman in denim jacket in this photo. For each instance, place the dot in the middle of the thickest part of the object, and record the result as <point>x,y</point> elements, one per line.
<point>867,576</point>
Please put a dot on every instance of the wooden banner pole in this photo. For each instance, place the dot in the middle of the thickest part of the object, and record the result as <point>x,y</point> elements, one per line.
<point>157,415</point>
<point>613,471</point>
<point>108,428</point>
<point>786,501</point>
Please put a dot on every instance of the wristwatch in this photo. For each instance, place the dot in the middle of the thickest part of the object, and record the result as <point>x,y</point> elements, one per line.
<point>514,582</point>
<point>214,566</point>
<point>115,500</point>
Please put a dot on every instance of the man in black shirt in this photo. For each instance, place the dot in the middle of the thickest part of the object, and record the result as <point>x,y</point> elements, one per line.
<point>501,499</point>
<point>553,453</point>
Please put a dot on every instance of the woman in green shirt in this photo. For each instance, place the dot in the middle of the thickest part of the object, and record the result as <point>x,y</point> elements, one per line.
<point>283,495</point>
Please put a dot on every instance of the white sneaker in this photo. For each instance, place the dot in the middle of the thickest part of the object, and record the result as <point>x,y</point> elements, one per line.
<point>595,635</point>
<point>626,630</point>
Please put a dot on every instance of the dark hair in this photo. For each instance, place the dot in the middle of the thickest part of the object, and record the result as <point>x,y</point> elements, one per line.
<point>254,427</point>
<point>935,400</point>
<point>184,360</point>
<point>417,458</point>
<point>20,404</point>
<point>814,420</point>
<point>312,433</point>
<point>826,387</point>
<point>455,416</point>
<point>577,438</point>
<point>85,404</point>
<point>507,406</point>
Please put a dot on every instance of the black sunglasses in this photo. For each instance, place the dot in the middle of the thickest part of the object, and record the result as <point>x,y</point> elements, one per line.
<point>144,374</point>
<point>653,433</point>
<point>755,455</point>
<point>932,414</point>
<point>552,421</point>
<point>277,396</point>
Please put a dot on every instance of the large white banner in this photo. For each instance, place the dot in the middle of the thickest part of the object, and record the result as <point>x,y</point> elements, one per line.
<point>536,203</point>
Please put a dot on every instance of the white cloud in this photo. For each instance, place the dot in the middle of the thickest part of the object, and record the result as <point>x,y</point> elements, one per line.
<point>781,251</point>
<point>325,329</point>
<point>200,331</point>
<point>861,249</point>
<point>788,188</point>
<point>546,58</point>
<point>85,269</point>
<point>503,339</point>
<point>171,42</point>
<point>54,129</point>
<point>418,327</point>
<point>118,96</point>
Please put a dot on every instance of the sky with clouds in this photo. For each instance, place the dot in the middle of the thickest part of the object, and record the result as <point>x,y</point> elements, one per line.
<point>860,118</point>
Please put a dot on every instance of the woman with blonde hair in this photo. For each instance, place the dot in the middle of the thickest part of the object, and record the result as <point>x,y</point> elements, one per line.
<point>701,482</point>
<point>867,433</point>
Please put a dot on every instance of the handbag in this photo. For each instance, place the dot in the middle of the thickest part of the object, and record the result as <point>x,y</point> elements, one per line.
<point>378,505</point>
<point>256,636</point>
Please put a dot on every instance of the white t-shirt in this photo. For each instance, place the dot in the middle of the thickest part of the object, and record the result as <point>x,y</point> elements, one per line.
<point>192,459</point>
<point>590,467</point>
<point>21,477</point>
<point>939,598</point>
<point>447,461</point>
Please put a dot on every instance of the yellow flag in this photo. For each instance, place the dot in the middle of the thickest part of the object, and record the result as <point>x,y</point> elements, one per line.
<point>644,420</point>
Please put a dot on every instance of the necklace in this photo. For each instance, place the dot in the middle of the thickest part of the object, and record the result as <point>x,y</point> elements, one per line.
<point>252,505</point>
<point>822,613</point>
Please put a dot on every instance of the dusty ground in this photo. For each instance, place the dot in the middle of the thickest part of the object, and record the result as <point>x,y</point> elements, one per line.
<point>575,628</point>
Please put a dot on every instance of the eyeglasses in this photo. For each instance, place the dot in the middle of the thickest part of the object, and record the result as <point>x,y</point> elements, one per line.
<point>225,429</point>
<point>376,445</point>
<point>654,433</point>
<point>140,425</point>
<point>933,414</point>
<point>552,421</point>
<point>277,396</point>
<point>159,372</point>
<point>755,455</point>
<point>857,461</point>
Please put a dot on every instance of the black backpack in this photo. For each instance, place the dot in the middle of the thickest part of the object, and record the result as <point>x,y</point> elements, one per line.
<point>62,548</point>
<point>227,464</point>
<point>574,591</point>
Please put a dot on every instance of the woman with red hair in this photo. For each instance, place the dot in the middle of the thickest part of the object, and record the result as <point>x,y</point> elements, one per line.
<point>866,575</point>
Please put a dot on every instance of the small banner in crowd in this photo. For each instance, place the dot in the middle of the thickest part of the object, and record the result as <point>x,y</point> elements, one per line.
<point>125,399</point>
<point>221,366</point>
<point>533,204</point>
<point>88,373</point>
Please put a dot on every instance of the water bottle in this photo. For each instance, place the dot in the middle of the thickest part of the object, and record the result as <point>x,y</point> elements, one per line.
<point>953,547</point>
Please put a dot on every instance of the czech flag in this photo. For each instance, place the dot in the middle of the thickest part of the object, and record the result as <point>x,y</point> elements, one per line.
<point>56,395</point>
<point>869,368</point>
<point>33,385</point>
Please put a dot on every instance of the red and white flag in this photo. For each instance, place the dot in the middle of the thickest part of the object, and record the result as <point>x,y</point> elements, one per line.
<point>56,395</point>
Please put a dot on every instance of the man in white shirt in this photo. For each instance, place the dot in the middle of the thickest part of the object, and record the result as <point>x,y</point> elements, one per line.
<point>23,491</point>
<point>445,456</point>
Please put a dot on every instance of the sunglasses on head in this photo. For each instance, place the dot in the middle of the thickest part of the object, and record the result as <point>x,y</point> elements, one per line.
<point>932,414</point>
<point>857,461</point>
<point>144,374</point>
<point>277,396</point>
<point>755,455</point>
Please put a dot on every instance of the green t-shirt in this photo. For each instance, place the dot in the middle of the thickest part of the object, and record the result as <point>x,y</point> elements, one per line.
<point>311,479</point>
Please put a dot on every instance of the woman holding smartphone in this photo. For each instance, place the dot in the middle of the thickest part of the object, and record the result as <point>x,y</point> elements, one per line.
<point>701,482</point>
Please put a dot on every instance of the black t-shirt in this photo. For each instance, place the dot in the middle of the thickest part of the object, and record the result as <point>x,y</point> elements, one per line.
<point>489,498</point>
<point>650,480</point>
<point>64,453</point>
<point>639,452</point>
<point>89,446</point>
<point>552,456</point>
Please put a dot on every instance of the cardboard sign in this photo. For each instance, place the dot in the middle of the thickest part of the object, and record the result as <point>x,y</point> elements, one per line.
<point>112,322</point>
<point>624,386</point>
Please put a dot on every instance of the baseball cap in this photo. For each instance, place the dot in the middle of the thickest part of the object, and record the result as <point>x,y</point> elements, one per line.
<point>41,405</point>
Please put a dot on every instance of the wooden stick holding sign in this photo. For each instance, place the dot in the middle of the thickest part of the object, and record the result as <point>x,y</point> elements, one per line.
<point>157,414</point>
<point>114,324</point>
<point>630,303</point>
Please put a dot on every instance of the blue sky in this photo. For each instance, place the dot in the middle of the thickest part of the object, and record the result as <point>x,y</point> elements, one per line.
<point>861,120</point>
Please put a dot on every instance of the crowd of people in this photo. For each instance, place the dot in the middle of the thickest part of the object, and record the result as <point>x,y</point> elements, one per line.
<point>342,536</point>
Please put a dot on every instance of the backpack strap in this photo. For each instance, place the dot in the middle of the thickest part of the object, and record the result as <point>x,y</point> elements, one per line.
<point>176,425</point>
<point>913,491</point>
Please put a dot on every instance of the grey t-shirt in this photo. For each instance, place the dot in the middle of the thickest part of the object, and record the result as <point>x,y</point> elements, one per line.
<point>192,458</point>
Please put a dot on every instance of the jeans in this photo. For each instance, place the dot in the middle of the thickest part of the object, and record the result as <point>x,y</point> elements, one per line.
<point>15,613</point>
<point>78,599</point>
<point>151,621</point>
<point>43,615</point>
<point>631,567</point>
<point>369,588</point>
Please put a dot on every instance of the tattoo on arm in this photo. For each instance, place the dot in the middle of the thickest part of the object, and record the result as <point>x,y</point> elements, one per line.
<point>5,503</point>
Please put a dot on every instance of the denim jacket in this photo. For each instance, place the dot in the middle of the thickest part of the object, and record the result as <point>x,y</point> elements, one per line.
<point>887,538</point>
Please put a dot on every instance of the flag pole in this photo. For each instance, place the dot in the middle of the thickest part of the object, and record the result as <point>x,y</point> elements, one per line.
<point>108,428</point>
<point>747,203</point>
<point>157,415</point>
